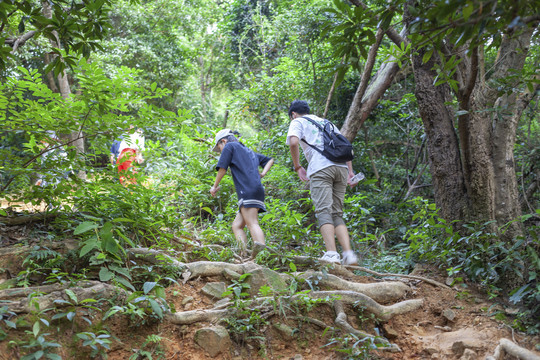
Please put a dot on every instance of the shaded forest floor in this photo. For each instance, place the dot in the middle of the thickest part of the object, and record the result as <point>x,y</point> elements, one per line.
<point>457,322</point>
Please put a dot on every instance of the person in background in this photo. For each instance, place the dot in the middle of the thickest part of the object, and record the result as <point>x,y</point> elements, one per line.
<point>244,164</point>
<point>130,150</point>
<point>115,150</point>
<point>328,181</point>
<point>53,154</point>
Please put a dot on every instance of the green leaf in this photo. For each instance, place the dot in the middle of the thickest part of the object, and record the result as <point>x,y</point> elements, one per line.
<point>156,308</point>
<point>10,324</point>
<point>91,245</point>
<point>126,283</point>
<point>467,10</point>
<point>427,56</point>
<point>36,328</point>
<point>148,286</point>
<point>292,266</point>
<point>105,274</point>
<point>208,210</point>
<point>153,86</point>
<point>72,295</point>
<point>84,227</point>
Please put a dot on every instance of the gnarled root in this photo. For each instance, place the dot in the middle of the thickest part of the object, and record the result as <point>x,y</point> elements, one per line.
<point>195,316</point>
<point>192,270</point>
<point>382,312</point>
<point>341,322</point>
<point>380,292</point>
<point>22,303</point>
<point>511,348</point>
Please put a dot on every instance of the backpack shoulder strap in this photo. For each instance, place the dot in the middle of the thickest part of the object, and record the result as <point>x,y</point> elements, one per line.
<point>314,122</point>
<point>320,128</point>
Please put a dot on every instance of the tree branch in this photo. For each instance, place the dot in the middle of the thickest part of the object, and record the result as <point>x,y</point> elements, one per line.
<point>15,43</point>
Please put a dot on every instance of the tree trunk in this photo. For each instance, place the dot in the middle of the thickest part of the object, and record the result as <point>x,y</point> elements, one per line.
<point>493,183</point>
<point>63,87</point>
<point>442,141</point>
<point>367,97</point>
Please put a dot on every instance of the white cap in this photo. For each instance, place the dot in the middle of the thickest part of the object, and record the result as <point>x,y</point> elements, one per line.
<point>220,135</point>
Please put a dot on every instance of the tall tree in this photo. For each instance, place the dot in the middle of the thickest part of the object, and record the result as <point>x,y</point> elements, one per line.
<point>472,168</point>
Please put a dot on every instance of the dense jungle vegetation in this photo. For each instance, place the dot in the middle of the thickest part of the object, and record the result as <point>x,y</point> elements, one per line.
<point>439,99</point>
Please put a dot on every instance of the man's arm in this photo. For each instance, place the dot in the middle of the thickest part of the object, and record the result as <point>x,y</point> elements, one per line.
<point>294,146</point>
<point>267,167</point>
<point>221,173</point>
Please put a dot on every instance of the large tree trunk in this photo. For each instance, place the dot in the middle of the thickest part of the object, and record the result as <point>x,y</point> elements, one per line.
<point>493,183</point>
<point>64,87</point>
<point>482,185</point>
<point>442,141</point>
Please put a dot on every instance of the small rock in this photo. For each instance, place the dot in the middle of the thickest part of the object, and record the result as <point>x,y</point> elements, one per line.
<point>187,299</point>
<point>214,289</point>
<point>511,311</point>
<point>390,332</point>
<point>449,314</point>
<point>459,347</point>
<point>297,357</point>
<point>213,340</point>
<point>449,281</point>
<point>469,354</point>
<point>431,350</point>
<point>188,306</point>
<point>286,331</point>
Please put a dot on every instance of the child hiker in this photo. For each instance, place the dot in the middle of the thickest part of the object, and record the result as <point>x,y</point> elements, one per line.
<point>244,164</point>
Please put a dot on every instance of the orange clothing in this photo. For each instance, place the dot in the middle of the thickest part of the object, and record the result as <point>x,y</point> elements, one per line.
<point>125,166</point>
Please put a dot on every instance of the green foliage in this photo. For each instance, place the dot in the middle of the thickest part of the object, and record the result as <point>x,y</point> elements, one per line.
<point>143,307</point>
<point>147,354</point>
<point>6,322</point>
<point>37,346</point>
<point>99,342</point>
<point>483,258</point>
<point>78,26</point>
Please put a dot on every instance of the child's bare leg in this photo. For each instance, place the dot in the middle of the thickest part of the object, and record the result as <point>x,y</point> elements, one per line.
<point>239,233</point>
<point>251,218</point>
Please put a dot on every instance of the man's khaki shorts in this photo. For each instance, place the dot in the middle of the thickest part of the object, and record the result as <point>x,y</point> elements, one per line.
<point>327,188</point>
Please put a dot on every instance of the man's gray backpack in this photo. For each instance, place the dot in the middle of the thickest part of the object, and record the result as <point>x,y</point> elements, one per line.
<point>336,147</point>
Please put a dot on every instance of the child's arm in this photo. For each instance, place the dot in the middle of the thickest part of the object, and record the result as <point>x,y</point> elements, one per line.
<point>221,173</point>
<point>267,167</point>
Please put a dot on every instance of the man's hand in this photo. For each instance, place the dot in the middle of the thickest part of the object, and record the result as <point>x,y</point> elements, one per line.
<point>214,190</point>
<point>302,173</point>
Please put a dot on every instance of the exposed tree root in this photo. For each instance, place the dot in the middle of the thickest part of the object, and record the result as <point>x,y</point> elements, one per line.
<point>195,316</point>
<point>508,347</point>
<point>382,312</point>
<point>342,270</point>
<point>385,291</point>
<point>20,301</point>
<point>341,322</point>
<point>415,277</point>
<point>26,219</point>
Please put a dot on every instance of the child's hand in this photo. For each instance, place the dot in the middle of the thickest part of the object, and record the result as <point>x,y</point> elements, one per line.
<point>214,190</point>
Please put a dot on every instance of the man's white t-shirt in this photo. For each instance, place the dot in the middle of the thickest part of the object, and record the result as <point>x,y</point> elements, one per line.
<point>133,141</point>
<point>304,129</point>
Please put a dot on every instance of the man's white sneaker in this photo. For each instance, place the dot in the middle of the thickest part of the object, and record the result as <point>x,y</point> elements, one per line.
<point>350,258</point>
<point>331,256</point>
